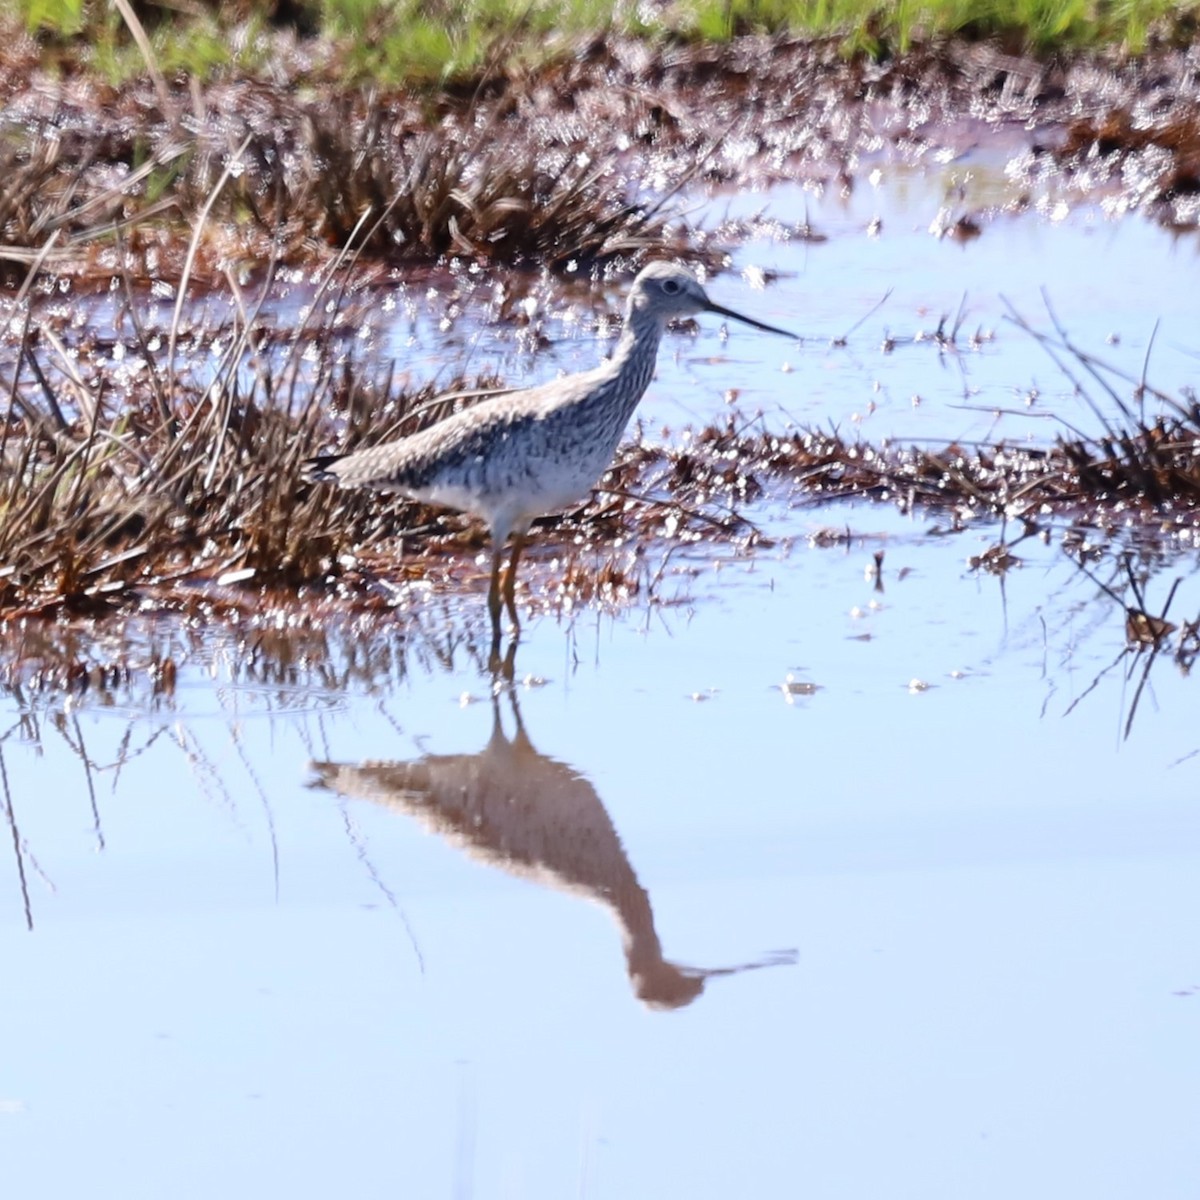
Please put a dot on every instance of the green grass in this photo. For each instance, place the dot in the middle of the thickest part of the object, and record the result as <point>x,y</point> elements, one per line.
<point>1037,26</point>
<point>438,41</point>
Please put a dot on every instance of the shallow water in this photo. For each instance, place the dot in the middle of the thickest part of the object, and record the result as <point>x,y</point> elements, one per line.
<point>786,882</point>
<point>971,904</point>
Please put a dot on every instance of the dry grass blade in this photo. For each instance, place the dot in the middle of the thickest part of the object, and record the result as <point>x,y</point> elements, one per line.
<point>147,51</point>
<point>1154,462</point>
<point>190,261</point>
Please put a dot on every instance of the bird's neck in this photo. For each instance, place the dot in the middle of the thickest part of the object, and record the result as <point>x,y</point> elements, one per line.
<point>640,334</point>
<point>633,357</point>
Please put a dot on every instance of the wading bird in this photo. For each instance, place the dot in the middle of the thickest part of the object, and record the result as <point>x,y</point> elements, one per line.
<point>523,453</point>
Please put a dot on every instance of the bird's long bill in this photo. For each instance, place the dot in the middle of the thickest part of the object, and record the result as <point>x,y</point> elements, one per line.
<point>737,316</point>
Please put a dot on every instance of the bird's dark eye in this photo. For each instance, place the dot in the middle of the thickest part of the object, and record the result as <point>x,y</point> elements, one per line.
<point>670,286</point>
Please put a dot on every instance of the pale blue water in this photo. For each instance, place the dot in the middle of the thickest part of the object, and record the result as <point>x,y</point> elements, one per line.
<point>971,904</point>
<point>257,987</point>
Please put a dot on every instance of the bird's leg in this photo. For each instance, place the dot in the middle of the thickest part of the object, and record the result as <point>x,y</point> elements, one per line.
<point>503,669</point>
<point>494,600</point>
<point>510,579</point>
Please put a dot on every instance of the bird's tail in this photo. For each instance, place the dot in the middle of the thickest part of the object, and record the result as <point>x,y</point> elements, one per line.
<point>319,469</point>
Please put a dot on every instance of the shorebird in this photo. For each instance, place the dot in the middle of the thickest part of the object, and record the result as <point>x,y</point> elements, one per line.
<point>522,453</point>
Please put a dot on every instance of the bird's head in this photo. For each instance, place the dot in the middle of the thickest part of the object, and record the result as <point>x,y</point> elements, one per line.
<point>665,292</point>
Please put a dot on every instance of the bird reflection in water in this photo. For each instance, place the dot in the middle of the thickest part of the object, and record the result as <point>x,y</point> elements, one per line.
<point>536,818</point>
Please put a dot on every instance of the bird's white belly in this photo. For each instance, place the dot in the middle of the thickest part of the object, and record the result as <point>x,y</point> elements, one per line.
<point>523,497</point>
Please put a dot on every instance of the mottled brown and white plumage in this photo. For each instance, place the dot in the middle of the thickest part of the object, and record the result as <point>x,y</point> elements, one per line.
<point>523,453</point>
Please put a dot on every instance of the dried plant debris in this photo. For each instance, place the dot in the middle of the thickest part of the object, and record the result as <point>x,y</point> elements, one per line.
<point>258,176</point>
<point>1148,157</point>
<point>1154,470</point>
<point>573,164</point>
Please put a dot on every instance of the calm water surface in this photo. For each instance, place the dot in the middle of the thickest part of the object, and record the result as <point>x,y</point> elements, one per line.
<point>786,884</point>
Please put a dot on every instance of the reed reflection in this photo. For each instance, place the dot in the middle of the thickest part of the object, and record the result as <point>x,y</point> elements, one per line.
<point>512,807</point>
